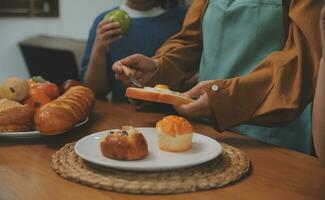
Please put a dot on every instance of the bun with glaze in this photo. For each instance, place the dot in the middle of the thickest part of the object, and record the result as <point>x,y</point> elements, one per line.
<point>174,134</point>
<point>124,144</point>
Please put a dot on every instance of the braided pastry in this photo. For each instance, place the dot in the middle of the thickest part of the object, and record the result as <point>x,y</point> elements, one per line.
<point>64,113</point>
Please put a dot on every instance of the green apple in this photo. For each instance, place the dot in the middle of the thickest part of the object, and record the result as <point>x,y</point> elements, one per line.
<point>121,17</point>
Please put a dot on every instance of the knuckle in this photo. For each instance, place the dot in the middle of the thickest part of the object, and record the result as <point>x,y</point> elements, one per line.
<point>201,84</point>
<point>185,110</point>
<point>118,77</point>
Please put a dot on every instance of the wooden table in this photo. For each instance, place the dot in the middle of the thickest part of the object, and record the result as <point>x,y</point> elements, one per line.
<point>277,173</point>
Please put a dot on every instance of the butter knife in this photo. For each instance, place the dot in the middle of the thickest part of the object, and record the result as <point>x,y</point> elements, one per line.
<point>130,74</point>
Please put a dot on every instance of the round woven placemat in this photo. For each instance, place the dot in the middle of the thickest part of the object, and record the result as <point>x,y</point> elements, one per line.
<point>230,166</point>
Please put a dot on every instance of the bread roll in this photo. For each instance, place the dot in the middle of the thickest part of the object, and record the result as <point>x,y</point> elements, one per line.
<point>64,113</point>
<point>125,144</point>
<point>174,134</point>
<point>15,117</point>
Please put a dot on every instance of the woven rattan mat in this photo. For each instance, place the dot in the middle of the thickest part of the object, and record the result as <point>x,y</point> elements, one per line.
<point>230,166</point>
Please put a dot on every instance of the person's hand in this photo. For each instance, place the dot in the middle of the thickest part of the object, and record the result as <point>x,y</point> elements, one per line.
<point>200,107</point>
<point>144,68</point>
<point>192,81</point>
<point>107,32</point>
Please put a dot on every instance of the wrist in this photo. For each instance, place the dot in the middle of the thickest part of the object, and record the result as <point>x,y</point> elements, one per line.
<point>155,65</point>
<point>100,50</point>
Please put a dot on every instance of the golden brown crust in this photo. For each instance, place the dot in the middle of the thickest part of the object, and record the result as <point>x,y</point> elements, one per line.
<point>64,113</point>
<point>174,125</point>
<point>119,146</point>
<point>16,117</point>
<point>160,97</point>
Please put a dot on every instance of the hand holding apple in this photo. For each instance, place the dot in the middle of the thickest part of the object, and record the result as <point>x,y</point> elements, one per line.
<point>108,31</point>
<point>122,18</point>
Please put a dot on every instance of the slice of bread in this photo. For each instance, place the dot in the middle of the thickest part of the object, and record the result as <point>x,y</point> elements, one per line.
<point>159,95</point>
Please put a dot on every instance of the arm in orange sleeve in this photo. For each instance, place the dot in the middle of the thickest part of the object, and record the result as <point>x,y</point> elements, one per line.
<point>179,58</point>
<point>319,102</point>
<point>278,90</point>
<point>319,115</point>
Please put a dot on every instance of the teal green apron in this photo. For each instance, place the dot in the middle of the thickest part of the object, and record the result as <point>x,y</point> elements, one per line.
<point>237,35</point>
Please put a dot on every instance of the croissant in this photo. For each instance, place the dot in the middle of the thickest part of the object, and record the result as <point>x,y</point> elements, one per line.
<point>65,112</point>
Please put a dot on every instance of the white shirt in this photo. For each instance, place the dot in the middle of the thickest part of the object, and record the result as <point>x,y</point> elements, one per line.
<point>153,12</point>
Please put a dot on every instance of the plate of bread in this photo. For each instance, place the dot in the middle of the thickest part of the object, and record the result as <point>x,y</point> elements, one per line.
<point>172,144</point>
<point>160,94</point>
<point>35,107</point>
<point>32,134</point>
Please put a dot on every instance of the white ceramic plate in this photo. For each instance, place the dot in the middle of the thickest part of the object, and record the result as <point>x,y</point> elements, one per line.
<point>31,134</point>
<point>203,150</point>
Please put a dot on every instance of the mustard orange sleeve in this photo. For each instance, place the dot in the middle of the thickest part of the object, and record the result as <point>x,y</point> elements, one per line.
<point>179,58</point>
<point>319,102</point>
<point>281,86</point>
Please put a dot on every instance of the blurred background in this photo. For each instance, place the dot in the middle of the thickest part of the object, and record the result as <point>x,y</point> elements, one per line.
<point>38,30</point>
